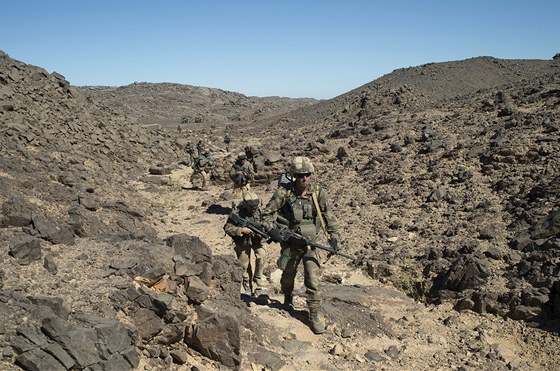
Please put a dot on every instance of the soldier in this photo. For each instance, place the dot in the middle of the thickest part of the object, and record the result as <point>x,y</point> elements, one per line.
<point>202,168</point>
<point>301,205</point>
<point>241,173</point>
<point>200,147</point>
<point>250,153</point>
<point>227,141</point>
<point>189,148</point>
<point>246,241</point>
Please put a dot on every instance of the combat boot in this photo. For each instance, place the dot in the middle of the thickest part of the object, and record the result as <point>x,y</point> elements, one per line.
<point>289,302</point>
<point>260,283</point>
<point>247,288</point>
<point>316,325</point>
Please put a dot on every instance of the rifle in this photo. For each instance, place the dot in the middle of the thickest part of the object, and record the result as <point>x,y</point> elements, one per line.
<point>287,234</point>
<point>247,176</point>
<point>253,226</point>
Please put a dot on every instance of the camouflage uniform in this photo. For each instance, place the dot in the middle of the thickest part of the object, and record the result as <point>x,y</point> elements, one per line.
<point>245,243</point>
<point>202,168</point>
<point>289,208</point>
<point>250,153</point>
<point>200,147</point>
<point>241,173</point>
<point>189,148</point>
<point>227,141</point>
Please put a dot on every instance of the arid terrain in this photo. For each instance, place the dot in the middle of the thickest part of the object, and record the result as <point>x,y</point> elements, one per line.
<point>444,178</point>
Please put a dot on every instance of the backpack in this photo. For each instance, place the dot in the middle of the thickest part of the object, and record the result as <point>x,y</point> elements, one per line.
<point>197,163</point>
<point>285,181</point>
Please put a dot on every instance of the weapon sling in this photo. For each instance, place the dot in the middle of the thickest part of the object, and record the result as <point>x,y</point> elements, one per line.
<point>314,196</point>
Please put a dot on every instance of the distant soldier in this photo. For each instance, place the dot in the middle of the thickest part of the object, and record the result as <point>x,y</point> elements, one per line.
<point>246,241</point>
<point>250,153</point>
<point>227,141</point>
<point>241,173</point>
<point>301,206</point>
<point>202,168</point>
<point>200,147</point>
<point>191,153</point>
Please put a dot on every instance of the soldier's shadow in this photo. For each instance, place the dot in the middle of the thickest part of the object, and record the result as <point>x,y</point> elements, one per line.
<point>218,209</point>
<point>193,188</point>
<point>264,299</point>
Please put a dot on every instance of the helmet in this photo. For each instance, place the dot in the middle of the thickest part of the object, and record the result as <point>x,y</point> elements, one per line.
<point>250,200</point>
<point>301,165</point>
<point>241,156</point>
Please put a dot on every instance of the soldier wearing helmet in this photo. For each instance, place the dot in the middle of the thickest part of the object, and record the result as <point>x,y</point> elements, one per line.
<point>246,241</point>
<point>301,206</point>
<point>200,147</point>
<point>190,150</point>
<point>227,141</point>
<point>241,173</point>
<point>202,168</point>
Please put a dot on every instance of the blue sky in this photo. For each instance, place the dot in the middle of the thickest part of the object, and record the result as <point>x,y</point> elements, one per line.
<point>314,48</point>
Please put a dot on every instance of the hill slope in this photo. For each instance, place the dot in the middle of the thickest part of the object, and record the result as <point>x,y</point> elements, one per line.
<point>445,190</point>
<point>170,105</point>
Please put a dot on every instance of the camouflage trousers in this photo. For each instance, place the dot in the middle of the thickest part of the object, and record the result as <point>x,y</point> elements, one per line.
<point>251,278</point>
<point>311,273</point>
<point>240,191</point>
<point>200,176</point>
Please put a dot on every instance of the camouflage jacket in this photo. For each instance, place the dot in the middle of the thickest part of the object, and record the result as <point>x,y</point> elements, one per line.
<point>299,213</point>
<point>203,163</point>
<point>234,231</point>
<point>246,169</point>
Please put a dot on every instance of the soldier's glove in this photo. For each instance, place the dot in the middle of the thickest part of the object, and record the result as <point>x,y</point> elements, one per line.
<point>277,235</point>
<point>334,244</point>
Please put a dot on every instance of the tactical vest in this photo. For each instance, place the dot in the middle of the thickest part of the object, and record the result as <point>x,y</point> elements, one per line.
<point>300,214</point>
<point>240,180</point>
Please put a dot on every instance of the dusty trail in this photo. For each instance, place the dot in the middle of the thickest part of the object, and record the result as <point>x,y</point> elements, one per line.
<point>203,214</point>
<point>370,326</point>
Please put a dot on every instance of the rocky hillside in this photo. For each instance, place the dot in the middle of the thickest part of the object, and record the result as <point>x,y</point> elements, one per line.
<point>172,105</point>
<point>444,179</point>
<point>79,244</point>
<point>447,180</point>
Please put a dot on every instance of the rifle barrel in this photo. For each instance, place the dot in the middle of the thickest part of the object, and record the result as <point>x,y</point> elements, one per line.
<point>256,228</point>
<point>313,244</point>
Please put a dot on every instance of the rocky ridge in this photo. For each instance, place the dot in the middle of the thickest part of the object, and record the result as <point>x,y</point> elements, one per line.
<point>169,105</point>
<point>79,248</point>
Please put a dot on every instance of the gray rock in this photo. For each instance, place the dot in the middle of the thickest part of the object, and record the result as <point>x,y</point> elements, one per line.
<point>374,356</point>
<point>37,359</point>
<point>56,350</point>
<point>53,231</point>
<point>171,334</point>
<point>147,323</point>
<point>49,264</point>
<point>466,272</point>
<point>270,360</point>
<point>217,335</point>
<point>196,290</point>
<point>26,249</point>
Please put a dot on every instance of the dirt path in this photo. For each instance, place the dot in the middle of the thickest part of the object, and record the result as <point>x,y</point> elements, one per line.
<point>370,326</point>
